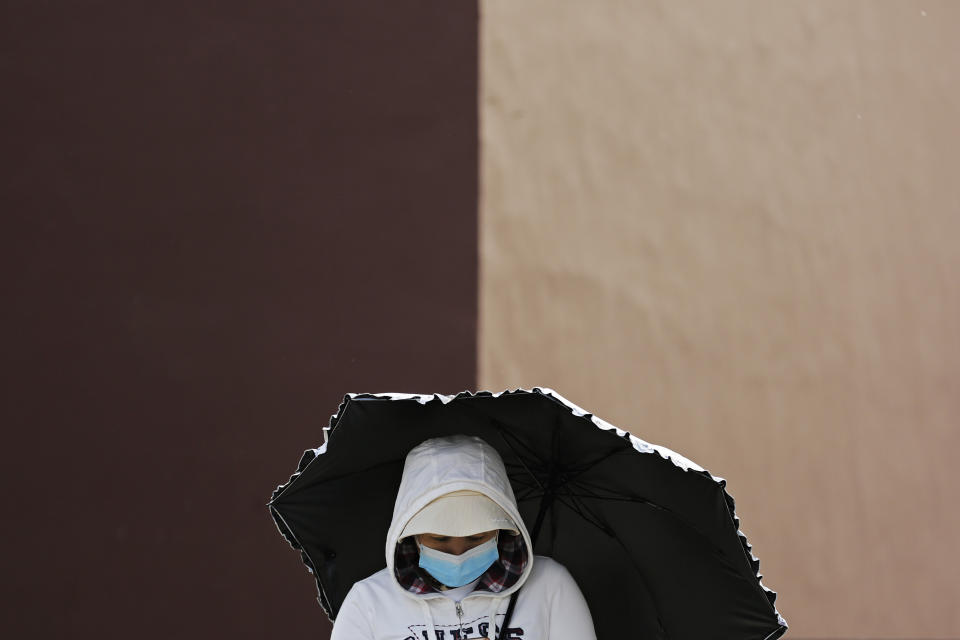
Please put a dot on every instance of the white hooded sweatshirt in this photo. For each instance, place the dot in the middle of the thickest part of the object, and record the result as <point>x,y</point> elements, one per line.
<point>549,606</point>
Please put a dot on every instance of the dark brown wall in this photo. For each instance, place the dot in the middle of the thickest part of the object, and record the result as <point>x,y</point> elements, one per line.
<point>219,218</point>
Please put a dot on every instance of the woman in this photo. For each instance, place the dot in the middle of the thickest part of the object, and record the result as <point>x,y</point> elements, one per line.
<point>457,551</point>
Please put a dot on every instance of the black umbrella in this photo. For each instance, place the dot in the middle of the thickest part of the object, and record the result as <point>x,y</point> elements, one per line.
<point>650,537</point>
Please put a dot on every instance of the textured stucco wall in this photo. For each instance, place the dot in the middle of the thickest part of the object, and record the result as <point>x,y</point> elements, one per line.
<point>734,229</point>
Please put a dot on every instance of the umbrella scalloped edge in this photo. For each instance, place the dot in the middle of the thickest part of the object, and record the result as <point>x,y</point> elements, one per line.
<point>639,445</point>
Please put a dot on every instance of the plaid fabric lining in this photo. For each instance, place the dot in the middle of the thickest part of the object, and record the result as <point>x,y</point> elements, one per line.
<point>501,575</point>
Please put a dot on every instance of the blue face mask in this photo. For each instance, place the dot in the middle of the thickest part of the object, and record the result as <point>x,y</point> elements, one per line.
<point>456,571</point>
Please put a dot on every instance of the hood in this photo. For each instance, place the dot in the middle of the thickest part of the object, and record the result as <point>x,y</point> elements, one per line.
<point>439,466</point>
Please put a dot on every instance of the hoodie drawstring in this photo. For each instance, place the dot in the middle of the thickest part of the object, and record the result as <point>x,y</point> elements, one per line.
<point>428,619</point>
<point>492,620</point>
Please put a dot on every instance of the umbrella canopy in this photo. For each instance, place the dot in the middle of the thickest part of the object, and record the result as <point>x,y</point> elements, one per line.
<point>650,537</point>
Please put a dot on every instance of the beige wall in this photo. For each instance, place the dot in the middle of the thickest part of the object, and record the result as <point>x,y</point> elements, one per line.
<point>733,228</point>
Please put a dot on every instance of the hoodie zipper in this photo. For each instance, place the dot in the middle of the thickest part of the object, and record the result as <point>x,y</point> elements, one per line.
<point>460,618</point>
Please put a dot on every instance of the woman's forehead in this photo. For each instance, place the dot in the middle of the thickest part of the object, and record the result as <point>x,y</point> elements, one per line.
<point>471,535</point>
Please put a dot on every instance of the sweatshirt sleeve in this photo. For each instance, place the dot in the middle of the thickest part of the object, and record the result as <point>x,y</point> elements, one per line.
<point>353,621</point>
<point>569,615</point>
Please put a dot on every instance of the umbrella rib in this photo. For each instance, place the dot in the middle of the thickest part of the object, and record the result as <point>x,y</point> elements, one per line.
<point>643,578</point>
<point>526,497</point>
<point>522,484</point>
<point>717,549</point>
<point>293,487</point>
<point>502,433</point>
<point>505,432</point>
<point>592,518</point>
<point>528,490</point>
<point>592,487</point>
<point>613,534</point>
<point>523,475</point>
<point>580,470</point>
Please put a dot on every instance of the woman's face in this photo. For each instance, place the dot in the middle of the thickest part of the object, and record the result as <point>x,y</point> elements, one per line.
<point>454,545</point>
